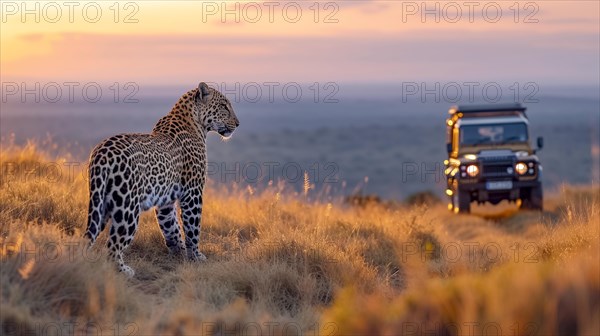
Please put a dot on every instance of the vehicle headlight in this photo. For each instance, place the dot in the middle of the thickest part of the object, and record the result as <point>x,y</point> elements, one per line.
<point>472,170</point>
<point>521,168</point>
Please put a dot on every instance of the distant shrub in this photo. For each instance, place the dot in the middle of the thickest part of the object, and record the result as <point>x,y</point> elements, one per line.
<point>423,198</point>
<point>362,200</point>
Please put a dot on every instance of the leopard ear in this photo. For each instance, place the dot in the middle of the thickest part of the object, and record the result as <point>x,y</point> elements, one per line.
<point>204,92</point>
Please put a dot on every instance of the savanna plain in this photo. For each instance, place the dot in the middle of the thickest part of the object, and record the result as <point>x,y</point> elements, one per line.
<point>286,262</point>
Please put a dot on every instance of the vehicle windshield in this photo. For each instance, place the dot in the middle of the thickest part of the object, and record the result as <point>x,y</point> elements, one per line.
<point>493,134</point>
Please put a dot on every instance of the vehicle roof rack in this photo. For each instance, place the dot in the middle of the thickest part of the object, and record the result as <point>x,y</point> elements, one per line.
<point>487,109</point>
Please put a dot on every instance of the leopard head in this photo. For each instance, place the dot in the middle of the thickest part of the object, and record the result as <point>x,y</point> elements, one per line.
<point>215,111</point>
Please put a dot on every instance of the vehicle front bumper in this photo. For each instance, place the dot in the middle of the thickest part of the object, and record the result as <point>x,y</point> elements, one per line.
<point>479,192</point>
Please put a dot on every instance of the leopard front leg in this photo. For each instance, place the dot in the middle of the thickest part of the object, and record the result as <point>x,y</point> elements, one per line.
<point>170,226</point>
<point>191,213</point>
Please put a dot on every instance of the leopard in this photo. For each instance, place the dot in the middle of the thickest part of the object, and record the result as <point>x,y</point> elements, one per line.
<point>164,169</point>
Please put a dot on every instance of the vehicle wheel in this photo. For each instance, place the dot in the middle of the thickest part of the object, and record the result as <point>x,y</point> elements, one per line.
<point>461,202</point>
<point>533,199</point>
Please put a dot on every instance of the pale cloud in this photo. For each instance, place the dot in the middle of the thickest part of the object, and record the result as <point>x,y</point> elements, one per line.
<point>169,59</point>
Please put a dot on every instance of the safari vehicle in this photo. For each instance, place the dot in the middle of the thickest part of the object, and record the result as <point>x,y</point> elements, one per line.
<point>490,157</point>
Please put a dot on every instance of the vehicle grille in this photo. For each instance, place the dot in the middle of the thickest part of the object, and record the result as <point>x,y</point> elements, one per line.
<point>497,169</point>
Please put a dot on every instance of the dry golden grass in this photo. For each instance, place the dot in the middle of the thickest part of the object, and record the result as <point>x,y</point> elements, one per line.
<point>279,263</point>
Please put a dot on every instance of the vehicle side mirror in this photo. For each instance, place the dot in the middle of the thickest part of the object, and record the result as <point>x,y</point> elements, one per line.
<point>540,143</point>
<point>449,147</point>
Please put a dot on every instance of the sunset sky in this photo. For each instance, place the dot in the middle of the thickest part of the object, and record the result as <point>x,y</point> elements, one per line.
<point>362,42</point>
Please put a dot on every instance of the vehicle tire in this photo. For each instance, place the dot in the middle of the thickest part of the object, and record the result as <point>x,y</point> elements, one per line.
<point>461,202</point>
<point>533,199</point>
